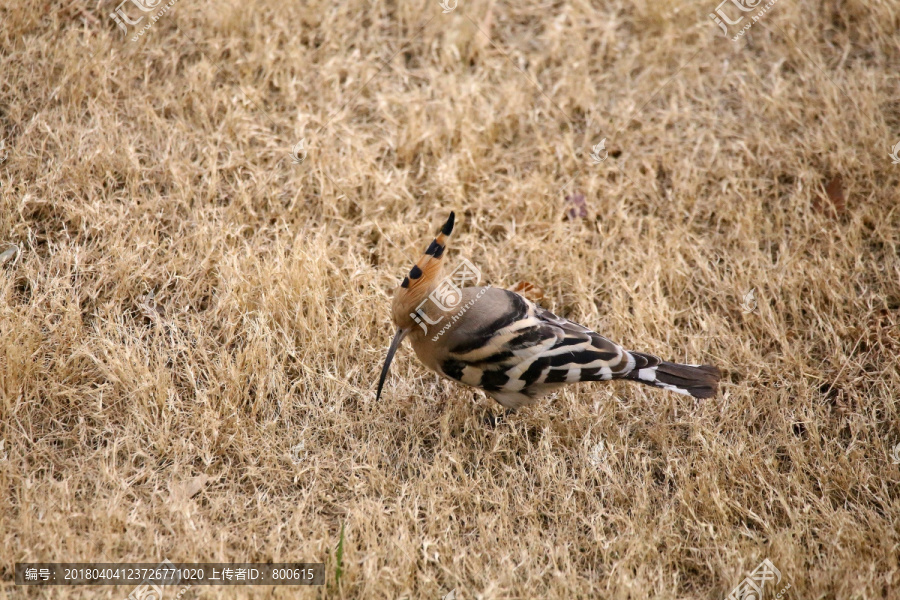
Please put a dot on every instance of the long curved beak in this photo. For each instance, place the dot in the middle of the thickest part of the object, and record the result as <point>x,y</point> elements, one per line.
<point>395,343</point>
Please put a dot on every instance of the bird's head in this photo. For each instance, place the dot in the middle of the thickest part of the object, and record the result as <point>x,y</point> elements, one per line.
<point>422,279</point>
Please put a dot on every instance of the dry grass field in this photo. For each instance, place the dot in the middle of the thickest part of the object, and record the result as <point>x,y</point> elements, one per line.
<point>192,323</point>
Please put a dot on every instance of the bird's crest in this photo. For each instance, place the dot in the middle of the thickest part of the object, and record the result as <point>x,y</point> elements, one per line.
<point>423,278</point>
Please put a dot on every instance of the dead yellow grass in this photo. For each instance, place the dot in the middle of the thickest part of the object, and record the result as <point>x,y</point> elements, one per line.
<point>187,302</point>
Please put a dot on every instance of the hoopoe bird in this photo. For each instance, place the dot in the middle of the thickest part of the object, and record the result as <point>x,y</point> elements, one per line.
<point>515,351</point>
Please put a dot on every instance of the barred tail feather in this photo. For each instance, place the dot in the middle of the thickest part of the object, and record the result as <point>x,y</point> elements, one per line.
<point>699,381</point>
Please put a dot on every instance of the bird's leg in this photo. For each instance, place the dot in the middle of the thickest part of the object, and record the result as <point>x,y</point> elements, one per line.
<point>492,420</point>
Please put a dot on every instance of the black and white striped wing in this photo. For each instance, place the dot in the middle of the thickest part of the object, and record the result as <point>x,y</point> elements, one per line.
<point>527,351</point>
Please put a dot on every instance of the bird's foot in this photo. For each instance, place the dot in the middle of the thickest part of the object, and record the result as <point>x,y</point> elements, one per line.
<point>492,420</point>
